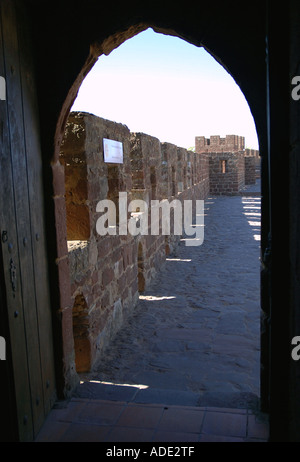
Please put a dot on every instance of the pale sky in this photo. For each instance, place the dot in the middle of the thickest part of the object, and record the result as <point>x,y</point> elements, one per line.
<point>165,87</point>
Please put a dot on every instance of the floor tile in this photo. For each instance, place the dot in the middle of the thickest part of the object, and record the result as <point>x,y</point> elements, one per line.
<point>170,437</point>
<point>84,433</point>
<point>101,413</point>
<point>52,432</point>
<point>68,412</point>
<point>257,429</point>
<point>220,439</point>
<point>140,416</point>
<point>225,424</point>
<point>181,420</point>
<point>130,434</point>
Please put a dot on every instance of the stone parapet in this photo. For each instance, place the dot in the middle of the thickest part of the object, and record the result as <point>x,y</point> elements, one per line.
<point>108,272</point>
<point>217,144</point>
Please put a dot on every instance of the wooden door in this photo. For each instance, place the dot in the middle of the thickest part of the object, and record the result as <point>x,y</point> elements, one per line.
<point>24,261</point>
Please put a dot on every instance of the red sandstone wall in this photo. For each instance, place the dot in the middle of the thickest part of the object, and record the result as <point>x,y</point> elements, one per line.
<point>250,170</point>
<point>146,168</point>
<point>218,144</point>
<point>242,165</point>
<point>226,179</point>
<point>254,154</point>
<point>108,272</point>
<point>103,268</point>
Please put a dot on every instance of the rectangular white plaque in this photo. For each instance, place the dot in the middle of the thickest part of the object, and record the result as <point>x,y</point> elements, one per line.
<point>113,151</point>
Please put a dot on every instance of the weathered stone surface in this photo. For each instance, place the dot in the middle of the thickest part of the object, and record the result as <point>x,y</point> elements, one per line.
<point>226,173</point>
<point>110,271</point>
<point>231,166</point>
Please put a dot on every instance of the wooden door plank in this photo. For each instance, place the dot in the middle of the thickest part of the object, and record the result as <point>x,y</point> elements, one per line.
<point>10,252</point>
<point>37,215</point>
<point>22,205</point>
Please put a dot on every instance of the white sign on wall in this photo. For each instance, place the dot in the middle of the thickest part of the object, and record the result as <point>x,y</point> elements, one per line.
<point>113,151</point>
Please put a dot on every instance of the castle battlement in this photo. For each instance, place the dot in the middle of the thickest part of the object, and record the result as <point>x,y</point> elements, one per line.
<point>231,143</point>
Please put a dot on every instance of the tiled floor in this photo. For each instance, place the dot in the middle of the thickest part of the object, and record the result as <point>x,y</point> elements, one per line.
<point>84,420</point>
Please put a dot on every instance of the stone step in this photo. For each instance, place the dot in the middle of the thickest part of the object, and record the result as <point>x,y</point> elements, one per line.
<point>172,397</point>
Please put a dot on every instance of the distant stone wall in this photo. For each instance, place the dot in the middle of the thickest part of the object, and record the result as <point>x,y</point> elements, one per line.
<point>231,166</point>
<point>226,173</point>
<point>254,154</point>
<point>109,272</point>
<point>250,170</point>
<point>217,144</point>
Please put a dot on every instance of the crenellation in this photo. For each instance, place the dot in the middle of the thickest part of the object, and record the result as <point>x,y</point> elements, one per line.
<point>217,144</point>
<point>231,166</point>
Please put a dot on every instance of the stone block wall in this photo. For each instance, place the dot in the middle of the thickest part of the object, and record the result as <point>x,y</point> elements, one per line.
<point>231,166</point>
<point>169,170</point>
<point>253,153</point>
<point>146,168</point>
<point>109,272</point>
<point>103,268</point>
<point>226,173</point>
<point>88,179</point>
<point>217,144</point>
<point>250,170</point>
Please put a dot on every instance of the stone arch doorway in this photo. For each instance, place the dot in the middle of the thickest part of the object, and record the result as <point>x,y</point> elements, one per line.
<point>251,49</point>
<point>89,62</point>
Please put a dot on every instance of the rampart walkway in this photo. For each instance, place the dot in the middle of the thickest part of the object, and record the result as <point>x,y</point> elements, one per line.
<point>185,367</point>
